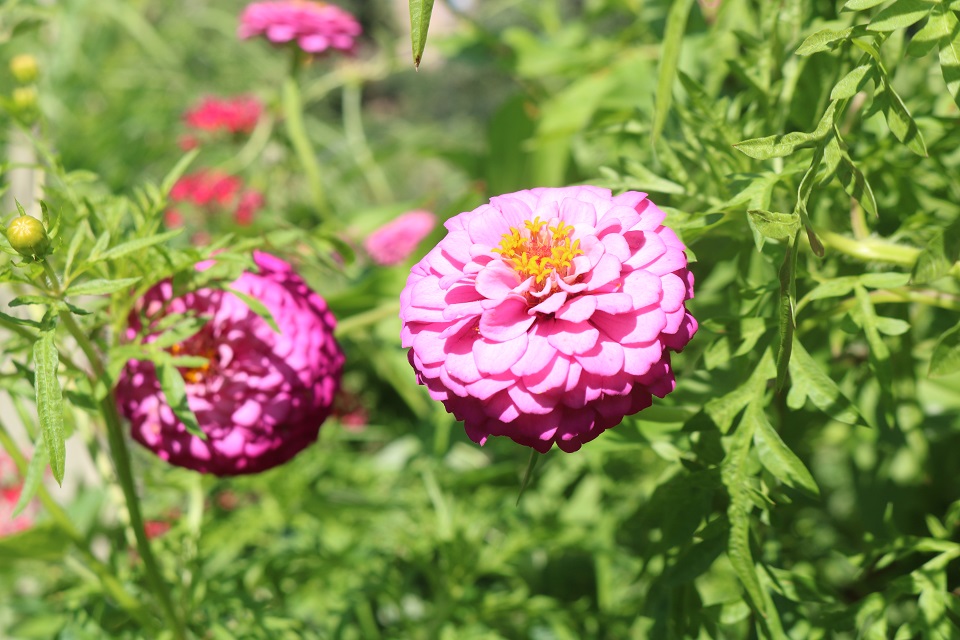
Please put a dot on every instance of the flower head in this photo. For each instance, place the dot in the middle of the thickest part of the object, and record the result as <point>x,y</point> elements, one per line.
<point>10,487</point>
<point>315,26</point>
<point>395,241</point>
<point>230,115</point>
<point>262,395</point>
<point>214,191</point>
<point>548,315</point>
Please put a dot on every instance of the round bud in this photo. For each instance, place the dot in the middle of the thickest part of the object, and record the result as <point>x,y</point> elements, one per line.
<point>28,237</point>
<point>24,68</point>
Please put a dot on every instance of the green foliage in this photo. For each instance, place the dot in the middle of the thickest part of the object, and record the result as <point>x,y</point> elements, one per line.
<point>800,481</point>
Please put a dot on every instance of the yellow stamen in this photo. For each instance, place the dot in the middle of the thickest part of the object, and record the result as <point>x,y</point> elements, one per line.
<point>538,252</point>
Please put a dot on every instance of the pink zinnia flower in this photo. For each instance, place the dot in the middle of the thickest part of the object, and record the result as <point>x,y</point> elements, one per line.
<point>546,316</point>
<point>395,241</point>
<point>10,487</point>
<point>232,115</point>
<point>250,202</point>
<point>214,191</point>
<point>316,26</point>
<point>263,395</point>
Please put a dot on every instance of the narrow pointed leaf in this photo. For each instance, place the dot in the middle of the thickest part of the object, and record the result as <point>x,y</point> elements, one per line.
<point>257,307</point>
<point>101,286</point>
<point>808,380</point>
<point>900,14</point>
<point>950,52</point>
<point>137,245</point>
<point>174,389</point>
<point>777,457</point>
<point>669,58</point>
<point>50,401</point>
<point>853,82</point>
<point>946,355</point>
<point>420,11</point>
<point>33,477</point>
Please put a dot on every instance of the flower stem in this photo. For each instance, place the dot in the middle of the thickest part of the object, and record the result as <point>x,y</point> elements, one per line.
<point>121,460</point>
<point>357,139</point>
<point>366,318</point>
<point>108,580</point>
<point>871,249</point>
<point>293,113</point>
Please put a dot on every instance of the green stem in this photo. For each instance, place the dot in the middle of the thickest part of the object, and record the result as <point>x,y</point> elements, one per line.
<point>296,130</point>
<point>357,139</point>
<point>871,249</point>
<point>121,460</point>
<point>109,581</point>
<point>367,318</point>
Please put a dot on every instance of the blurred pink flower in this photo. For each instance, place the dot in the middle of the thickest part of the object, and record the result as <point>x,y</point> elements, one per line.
<point>188,142</point>
<point>10,487</point>
<point>263,395</point>
<point>316,26</point>
<point>250,202</point>
<point>214,191</point>
<point>232,115</point>
<point>395,241</point>
<point>546,316</point>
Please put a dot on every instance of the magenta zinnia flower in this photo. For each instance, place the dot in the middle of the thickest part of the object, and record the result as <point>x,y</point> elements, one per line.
<point>316,26</point>
<point>547,315</point>
<point>263,395</point>
<point>395,241</point>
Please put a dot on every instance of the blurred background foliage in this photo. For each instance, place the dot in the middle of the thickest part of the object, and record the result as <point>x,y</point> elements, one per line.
<point>827,508</point>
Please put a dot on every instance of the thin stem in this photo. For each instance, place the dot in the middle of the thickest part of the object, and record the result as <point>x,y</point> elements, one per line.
<point>109,581</point>
<point>367,318</point>
<point>871,249</point>
<point>121,460</point>
<point>357,139</point>
<point>293,113</point>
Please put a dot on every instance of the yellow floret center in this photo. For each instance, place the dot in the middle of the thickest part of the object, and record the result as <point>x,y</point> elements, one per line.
<point>538,251</point>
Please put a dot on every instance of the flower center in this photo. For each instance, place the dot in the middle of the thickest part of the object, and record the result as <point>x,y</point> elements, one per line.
<point>195,374</point>
<point>539,251</point>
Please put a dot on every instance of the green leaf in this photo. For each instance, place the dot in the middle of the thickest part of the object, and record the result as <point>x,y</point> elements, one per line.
<point>187,327</point>
<point>879,352</point>
<point>860,5</point>
<point>132,246</point>
<point>50,401</point>
<point>939,256</point>
<point>808,380</point>
<point>420,11</point>
<point>899,120</point>
<point>853,82</point>
<point>44,542</point>
<point>850,176</point>
<point>669,58</point>
<point>178,170</point>
<point>900,14</point>
<point>776,226</point>
<point>15,320</point>
<point>101,286</point>
<point>173,387</point>
<point>734,477</point>
<point>786,319</point>
<point>823,41</point>
<point>892,326</point>
<point>926,39</point>
<point>257,307</point>
<point>724,410</point>
<point>946,355</point>
<point>888,280</point>
<point>776,456</point>
<point>950,51</point>
<point>780,146</point>
<point>33,478</point>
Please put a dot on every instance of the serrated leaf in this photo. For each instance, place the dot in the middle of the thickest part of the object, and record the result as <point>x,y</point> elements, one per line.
<point>50,401</point>
<point>724,410</point>
<point>175,391</point>
<point>823,41</point>
<point>946,355</point>
<point>669,58</point>
<point>132,246</point>
<point>257,307</point>
<point>850,84</point>
<point>101,286</point>
<point>900,14</point>
<point>808,380</point>
<point>776,456</point>
<point>734,478</point>
<point>420,11</point>
<point>851,178</point>
<point>780,146</point>
<point>33,477</point>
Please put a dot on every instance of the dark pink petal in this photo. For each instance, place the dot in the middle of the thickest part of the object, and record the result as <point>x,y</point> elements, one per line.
<point>605,359</point>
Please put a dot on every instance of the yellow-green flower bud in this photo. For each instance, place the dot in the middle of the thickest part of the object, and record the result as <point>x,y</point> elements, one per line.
<point>27,235</point>
<point>24,68</point>
<point>25,99</point>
